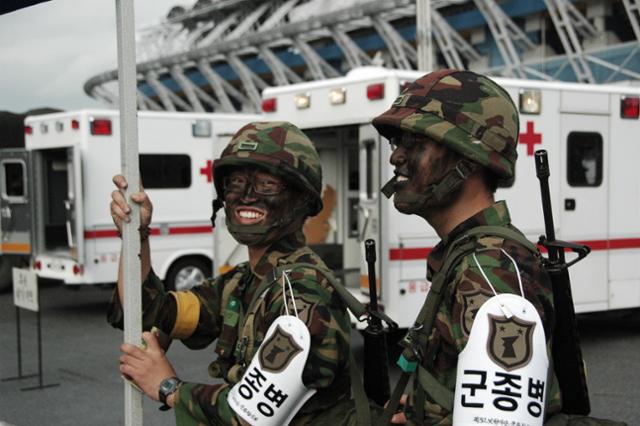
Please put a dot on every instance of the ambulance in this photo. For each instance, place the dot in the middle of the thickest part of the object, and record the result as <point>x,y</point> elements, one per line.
<point>591,135</point>
<point>15,215</point>
<point>74,157</point>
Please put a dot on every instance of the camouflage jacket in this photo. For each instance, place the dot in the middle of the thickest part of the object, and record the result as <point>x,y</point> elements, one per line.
<point>467,291</point>
<point>209,311</point>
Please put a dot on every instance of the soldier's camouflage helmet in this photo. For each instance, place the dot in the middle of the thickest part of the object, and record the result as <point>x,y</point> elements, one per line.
<point>280,148</point>
<point>465,111</point>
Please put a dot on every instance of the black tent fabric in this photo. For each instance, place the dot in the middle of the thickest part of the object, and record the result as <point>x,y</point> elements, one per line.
<point>12,126</point>
<point>7,6</point>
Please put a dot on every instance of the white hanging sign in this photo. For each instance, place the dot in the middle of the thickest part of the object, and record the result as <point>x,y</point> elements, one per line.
<point>25,289</point>
<point>271,390</point>
<point>502,371</point>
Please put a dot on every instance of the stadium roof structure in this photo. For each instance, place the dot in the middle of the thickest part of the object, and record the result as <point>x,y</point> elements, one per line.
<point>219,55</point>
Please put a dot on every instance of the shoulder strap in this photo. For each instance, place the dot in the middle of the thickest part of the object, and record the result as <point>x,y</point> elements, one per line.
<point>354,305</point>
<point>503,232</point>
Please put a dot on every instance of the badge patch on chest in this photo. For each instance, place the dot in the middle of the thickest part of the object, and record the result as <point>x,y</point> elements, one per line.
<point>278,351</point>
<point>304,307</point>
<point>471,303</point>
<point>510,341</point>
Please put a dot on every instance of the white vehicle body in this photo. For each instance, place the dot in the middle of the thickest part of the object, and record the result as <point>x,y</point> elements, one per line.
<point>593,153</point>
<point>76,154</point>
<point>15,215</point>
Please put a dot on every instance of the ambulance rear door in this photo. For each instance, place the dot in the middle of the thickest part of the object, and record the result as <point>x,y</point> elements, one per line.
<point>584,141</point>
<point>58,176</point>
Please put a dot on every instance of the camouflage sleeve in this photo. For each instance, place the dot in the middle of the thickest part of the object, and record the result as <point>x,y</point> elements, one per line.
<point>194,405</point>
<point>192,316</point>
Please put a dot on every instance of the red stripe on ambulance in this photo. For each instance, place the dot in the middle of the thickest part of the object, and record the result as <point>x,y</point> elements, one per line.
<point>177,230</point>
<point>421,253</point>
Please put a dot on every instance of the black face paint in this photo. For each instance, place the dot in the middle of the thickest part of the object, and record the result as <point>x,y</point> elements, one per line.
<point>259,220</point>
<point>419,164</point>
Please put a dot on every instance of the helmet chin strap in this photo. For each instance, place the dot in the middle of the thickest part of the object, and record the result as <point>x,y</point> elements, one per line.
<point>449,183</point>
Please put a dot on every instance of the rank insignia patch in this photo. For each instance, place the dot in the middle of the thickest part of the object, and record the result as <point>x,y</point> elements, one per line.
<point>304,307</point>
<point>471,303</point>
<point>278,351</point>
<point>510,341</point>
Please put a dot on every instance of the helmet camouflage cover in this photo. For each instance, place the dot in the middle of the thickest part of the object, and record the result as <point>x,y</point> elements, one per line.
<point>467,112</point>
<point>280,148</point>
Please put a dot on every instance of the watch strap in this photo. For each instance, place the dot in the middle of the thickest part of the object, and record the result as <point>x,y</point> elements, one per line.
<point>171,385</point>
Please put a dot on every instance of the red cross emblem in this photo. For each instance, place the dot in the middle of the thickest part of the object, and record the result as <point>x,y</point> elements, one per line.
<point>208,171</point>
<point>530,138</point>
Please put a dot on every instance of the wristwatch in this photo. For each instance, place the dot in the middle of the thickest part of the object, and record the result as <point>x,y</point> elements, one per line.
<point>167,387</point>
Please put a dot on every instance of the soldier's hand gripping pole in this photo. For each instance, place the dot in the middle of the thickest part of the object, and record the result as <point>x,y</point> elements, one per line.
<point>376,370</point>
<point>567,354</point>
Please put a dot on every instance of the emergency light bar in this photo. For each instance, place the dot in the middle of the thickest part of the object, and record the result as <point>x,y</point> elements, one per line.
<point>75,124</point>
<point>302,100</point>
<point>629,107</point>
<point>375,91</point>
<point>100,126</point>
<point>269,105</point>
<point>44,128</point>
<point>59,126</point>
<point>201,129</point>
<point>28,130</point>
<point>338,96</point>
<point>530,101</point>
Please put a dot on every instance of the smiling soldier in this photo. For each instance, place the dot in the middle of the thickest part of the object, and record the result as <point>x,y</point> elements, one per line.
<point>480,346</point>
<point>268,179</point>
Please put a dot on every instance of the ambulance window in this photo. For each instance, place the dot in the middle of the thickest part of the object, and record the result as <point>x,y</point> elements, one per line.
<point>584,159</point>
<point>163,171</point>
<point>13,180</point>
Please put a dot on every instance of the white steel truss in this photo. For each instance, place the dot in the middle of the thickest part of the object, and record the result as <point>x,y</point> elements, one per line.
<point>559,12</point>
<point>211,43</point>
<point>633,12</point>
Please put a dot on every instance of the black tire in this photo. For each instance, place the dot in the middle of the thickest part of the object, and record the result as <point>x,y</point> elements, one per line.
<point>186,273</point>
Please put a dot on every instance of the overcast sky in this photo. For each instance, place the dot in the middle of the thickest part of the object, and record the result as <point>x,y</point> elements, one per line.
<point>48,51</point>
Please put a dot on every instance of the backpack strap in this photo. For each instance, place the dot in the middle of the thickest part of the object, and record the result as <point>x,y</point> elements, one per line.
<point>355,306</point>
<point>505,233</point>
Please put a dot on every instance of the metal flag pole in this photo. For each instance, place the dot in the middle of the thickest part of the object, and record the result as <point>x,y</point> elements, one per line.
<point>127,85</point>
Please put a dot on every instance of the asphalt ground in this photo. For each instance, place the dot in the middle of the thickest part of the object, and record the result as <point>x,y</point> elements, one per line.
<point>80,354</point>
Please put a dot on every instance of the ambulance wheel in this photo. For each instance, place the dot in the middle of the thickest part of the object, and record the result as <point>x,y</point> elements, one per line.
<point>187,273</point>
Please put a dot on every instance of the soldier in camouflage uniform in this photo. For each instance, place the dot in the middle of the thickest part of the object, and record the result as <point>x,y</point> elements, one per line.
<point>454,136</point>
<point>269,179</point>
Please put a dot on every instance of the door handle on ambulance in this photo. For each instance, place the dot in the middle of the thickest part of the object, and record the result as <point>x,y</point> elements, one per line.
<point>366,214</point>
<point>67,209</point>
